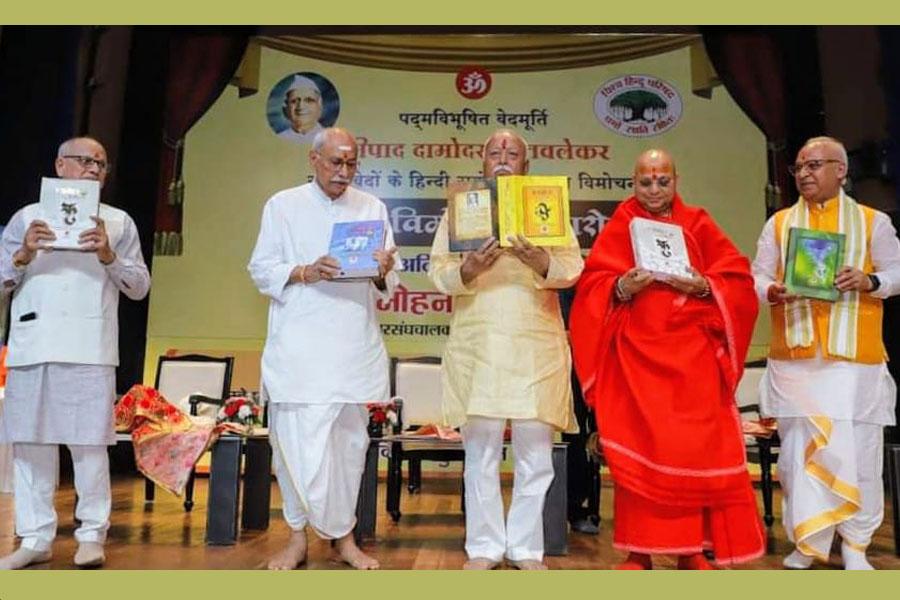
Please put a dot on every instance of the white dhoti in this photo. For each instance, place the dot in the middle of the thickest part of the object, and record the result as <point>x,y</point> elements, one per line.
<point>522,536</point>
<point>831,416</point>
<point>36,469</point>
<point>319,455</point>
<point>831,474</point>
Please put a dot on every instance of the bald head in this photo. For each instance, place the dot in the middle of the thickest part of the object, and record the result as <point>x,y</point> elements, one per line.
<point>832,145</point>
<point>333,135</point>
<point>655,181</point>
<point>654,159</point>
<point>505,153</point>
<point>72,144</point>
<point>333,157</point>
<point>820,169</point>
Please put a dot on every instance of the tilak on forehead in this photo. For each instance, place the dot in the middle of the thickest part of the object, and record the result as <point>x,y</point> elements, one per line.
<point>655,164</point>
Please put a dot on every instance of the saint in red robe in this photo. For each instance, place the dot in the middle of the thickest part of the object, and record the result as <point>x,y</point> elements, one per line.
<point>660,372</point>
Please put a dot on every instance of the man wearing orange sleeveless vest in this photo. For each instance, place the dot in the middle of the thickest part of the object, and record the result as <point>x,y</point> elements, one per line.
<point>659,361</point>
<point>826,379</point>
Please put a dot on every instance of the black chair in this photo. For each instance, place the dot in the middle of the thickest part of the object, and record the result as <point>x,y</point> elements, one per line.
<point>180,376</point>
<point>761,450</point>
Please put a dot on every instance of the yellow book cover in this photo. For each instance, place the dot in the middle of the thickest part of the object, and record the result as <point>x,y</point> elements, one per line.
<point>536,206</point>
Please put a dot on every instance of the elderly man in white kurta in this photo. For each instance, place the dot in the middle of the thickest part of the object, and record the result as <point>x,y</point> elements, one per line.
<point>324,357</point>
<point>507,357</point>
<point>63,352</point>
<point>826,379</point>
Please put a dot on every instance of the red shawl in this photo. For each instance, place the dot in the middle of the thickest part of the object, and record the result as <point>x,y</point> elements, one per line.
<point>167,443</point>
<point>661,370</point>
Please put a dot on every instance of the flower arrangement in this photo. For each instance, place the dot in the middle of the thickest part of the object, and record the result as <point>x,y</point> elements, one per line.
<point>381,416</point>
<point>240,410</point>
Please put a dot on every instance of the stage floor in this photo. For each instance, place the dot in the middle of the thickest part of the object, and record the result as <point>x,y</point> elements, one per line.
<point>429,535</point>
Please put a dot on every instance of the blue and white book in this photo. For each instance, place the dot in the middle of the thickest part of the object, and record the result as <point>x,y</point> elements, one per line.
<point>353,244</point>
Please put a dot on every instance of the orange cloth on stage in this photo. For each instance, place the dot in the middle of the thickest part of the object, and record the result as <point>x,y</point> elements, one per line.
<point>660,372</point>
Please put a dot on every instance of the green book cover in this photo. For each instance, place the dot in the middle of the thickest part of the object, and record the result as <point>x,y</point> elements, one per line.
<point>813,260</point>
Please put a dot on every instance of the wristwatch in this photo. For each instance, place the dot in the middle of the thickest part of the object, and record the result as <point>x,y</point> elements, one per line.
<point>876,283</point>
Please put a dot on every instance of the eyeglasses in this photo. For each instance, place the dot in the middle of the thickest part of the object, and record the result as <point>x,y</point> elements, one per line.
<point>335,164</point>
<point>811,165</point>
<point>87,161</point>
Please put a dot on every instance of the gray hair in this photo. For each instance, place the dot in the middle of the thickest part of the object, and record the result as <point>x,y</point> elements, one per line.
<point>322,137</point>
<point>66,146</point>
<point>824,139</point>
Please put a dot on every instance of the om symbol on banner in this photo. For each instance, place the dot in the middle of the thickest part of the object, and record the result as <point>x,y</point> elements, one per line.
<point>473,82</point>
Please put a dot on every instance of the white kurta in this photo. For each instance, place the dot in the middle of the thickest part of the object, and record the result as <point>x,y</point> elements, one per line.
<point>836,389</point>
<point>323,352</point>
<point>65,403</point>
<point>323,343</point>
<point>507,356</point>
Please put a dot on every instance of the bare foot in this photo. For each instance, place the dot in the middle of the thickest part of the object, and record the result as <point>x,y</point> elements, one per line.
<point>293,555</point>
<point>353,556</point>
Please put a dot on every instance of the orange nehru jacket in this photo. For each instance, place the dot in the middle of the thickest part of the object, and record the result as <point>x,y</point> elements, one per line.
<point>870,348</point>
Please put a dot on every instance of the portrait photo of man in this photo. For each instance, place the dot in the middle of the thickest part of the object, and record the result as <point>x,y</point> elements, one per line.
<point>301,105</point>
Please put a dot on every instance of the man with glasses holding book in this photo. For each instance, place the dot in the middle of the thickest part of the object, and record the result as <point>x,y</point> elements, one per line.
<point>63,352</point>
<point>826,380</point>
<point>659,355</point>
<point>324,358</point>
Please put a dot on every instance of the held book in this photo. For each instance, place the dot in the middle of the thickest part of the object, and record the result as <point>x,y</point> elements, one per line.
<point>353,244</point>
<point>659,248</point>
<point>536,206</point>
<point>67,206</point>
<point>813,260</point>
<point>472,214</point>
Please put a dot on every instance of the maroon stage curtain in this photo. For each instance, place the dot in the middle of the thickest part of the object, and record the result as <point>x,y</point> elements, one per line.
<point>750,63</point>
<point>200,66</point>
